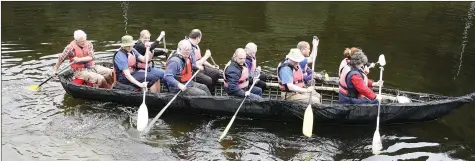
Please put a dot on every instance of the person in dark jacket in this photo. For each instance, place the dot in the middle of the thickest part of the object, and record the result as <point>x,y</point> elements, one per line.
<point>236,77</point>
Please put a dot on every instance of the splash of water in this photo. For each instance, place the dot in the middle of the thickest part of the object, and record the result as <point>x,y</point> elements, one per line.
<point>468,24</point>
<point>125,8</point>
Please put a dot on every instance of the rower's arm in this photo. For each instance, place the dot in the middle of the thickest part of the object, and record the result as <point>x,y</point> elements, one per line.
<point>129,77</point>
<point>295,88</point>
<point>170,72</point>
<point>91,54</point>
<point>233,79</point>
<point>206,63</point>
<point>68,51</point>
<point>312,55</point>
<point>287,79</point>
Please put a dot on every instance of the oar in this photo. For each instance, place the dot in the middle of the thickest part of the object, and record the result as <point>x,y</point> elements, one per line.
<point>234,117</point>
<point>377,146</point>
<point>307,126</point>
<point>169,103</point>
<point>37,87</point>
<point>142,113</point>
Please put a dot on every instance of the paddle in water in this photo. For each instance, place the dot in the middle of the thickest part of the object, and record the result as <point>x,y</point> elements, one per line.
<point>35,87</point>
<point>169,103</point>
<point>235,114</point>
<point>142,113</point>
<point>307,126</point>
<point>377,145</point>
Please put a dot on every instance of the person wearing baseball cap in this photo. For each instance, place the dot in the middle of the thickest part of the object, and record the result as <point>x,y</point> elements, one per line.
<point>291,79</point>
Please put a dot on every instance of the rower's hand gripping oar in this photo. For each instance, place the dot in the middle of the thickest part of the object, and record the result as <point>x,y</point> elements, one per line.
<point>377,145</point>
<point>235,114</point>
<point>142,113</point>
<point>37,87</point>
<point>307,126</point>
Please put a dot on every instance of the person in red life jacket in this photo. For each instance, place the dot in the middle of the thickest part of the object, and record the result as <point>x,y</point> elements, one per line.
<point>209,74</point>
<point>251,62</point>
<point>179,71</point>
<point>236,77</point>
<point>125,65</point>
<point>348,53</point>
<point>81,52</point>
<point>141,45</point>
<point>355,85</point>
<point>290,77</point>
<point>304,48</point>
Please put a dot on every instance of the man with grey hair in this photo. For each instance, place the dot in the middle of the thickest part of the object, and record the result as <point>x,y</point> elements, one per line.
<point>354,85</point>
<point>179,71</point>
<point>81,52</point>
<point>251,61</point>
<point>210,73</point>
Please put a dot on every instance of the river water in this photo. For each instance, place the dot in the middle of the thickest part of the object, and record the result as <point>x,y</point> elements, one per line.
<point>422,42</point>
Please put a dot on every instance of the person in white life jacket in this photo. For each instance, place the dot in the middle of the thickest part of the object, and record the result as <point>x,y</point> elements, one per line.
<point>125,66</point>
<point>236,77</point>
<point>141,45</point>
<point>304,48</point>
<point>354,85</point>
<point>81,52</point>
<point>290,77</point>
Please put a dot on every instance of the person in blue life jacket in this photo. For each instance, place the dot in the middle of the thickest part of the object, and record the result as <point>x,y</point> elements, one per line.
<point>125,66</point>
<point>236,77</point>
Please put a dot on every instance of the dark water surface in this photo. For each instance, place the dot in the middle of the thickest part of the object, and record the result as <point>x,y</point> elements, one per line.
<point>422,43</point>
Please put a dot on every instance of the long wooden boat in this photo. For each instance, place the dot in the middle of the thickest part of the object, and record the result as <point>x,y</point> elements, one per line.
<point>424,107</point>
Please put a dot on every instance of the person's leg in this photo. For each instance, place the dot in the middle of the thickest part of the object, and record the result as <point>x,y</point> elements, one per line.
<point>214,73</point>
<point>151,79</point>
<point>342,99</point>
<point>106,72</point>
<point>157,72</point>
<point>95,79</point>
<point>305,97</point>
<point>193,91</point>
<point>256,90</point>
<point>364,101</point>
<point>202,78</point>
<point>202,87</point>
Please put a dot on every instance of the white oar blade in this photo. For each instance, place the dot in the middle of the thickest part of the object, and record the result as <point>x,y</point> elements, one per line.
<point>308,122</point>
<point>227,128</point>
<point>142,117</point>
<point>382,60</point>
<point>377,145</point>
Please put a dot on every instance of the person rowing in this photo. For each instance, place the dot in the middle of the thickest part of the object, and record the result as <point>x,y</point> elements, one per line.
<point>125,65</point>
<point>354,85</point>
<point>141,46</point>
<point>236,77</point>
<point>304,48</point>
<point>251,62</point>
<point>291,81</point>
<point>81,52</point>
<point>210,74</point>
<point>179,70</point>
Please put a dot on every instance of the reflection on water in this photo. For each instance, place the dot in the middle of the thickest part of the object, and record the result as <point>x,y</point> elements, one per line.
<point>421,45</point>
